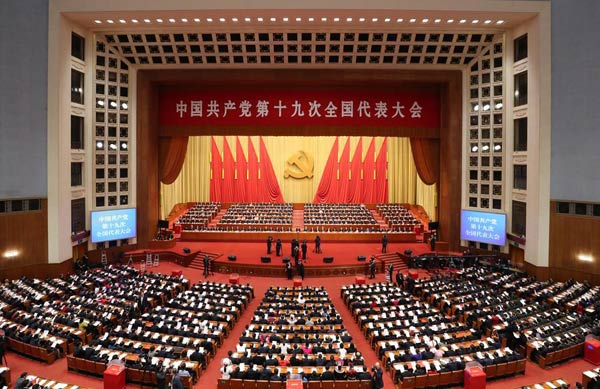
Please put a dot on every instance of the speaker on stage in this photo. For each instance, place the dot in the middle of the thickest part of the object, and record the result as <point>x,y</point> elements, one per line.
<point>361,258</point>
<point>265,259</point>
<point>187,250</point>
<point>232,257</point>
<point>408,252</point>
<point>327,259</point>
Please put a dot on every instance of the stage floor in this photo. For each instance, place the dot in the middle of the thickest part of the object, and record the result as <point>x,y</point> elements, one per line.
<point>249,253</point>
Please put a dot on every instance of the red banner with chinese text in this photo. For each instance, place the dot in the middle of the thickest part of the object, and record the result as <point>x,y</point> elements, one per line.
<point>290,107</point>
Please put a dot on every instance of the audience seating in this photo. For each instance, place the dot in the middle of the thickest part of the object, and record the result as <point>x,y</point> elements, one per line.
<point>339,218</point>
<point>198,216</point>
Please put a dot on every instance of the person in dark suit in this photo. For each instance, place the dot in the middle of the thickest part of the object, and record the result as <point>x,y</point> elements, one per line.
<point>391,272</point>
<point>432,242</point>
<point>384,242</point>
<point>304,249</point>
<point>301,269</point>
<point>377,376</point>
<point>278,247</point>
<point>296,254</point>
<point>206,266</point>
<point>288,270</point>
<point>318,244</point>
<point>400,279</point>
<point>22,381</point>
<point>372,267</point>
<point>269,243</point>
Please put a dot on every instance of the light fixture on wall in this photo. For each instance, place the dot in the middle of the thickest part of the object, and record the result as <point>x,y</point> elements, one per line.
<point>585,258</point>
<point>11,253</point>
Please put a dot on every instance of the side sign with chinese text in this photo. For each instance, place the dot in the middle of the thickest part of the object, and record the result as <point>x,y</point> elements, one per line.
<point>484,227</point>
<point>323,107</point>
<point>115,224</point>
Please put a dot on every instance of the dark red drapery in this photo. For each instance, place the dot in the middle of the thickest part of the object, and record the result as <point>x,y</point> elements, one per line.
<point>216,176</point>
<point>228,174</point>
<point>354,193</point>
<point>426,154</point>
<point>381,182</point>
<point>368,181</point>
<point>241,168</point>
<point>268,180</point>
<point>252,188</point>
<point>171,155</point>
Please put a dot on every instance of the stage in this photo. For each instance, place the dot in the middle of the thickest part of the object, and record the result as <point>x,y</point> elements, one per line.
<point>248,257</point>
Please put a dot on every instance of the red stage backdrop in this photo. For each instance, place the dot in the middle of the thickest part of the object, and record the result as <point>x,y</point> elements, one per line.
<point>289,107</point>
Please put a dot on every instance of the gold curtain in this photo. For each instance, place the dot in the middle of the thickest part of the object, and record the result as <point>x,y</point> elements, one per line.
<point>193,183</point>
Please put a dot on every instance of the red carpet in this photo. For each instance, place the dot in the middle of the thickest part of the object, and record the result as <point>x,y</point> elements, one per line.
<point>570,371</point>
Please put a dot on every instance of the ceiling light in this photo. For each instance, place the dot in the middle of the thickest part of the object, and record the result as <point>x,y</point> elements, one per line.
<point>259,19</point>
<point>516,93</point>
<point>500,22</point>
<point>499,106</point>
<point>197,20</point>
<point>485,147</point>
<point>171,20</point>
<point>298,19</point>
<point>348,19</point>
<point>437,20</point>
<point>234,20</point>
<point>273,19</point>
<point>100,103</point>
<point>486,107</point>
<point>374,19</point>
<point>412,20</point>
<point>474,149</point>
<point>476,107</point>
<point>387,20</point>
<point>497,147</point>
<point>361,19</point>
<point>11,253</point>
<point>124,146</point>
<point>124,105</point>
<point>475,21</point>
<point>463,21</point>
<point>488,21</point>
<point>311,19</point>
<point>399,20</point>
<point>336,19</point>
<point>222,20</point>
<point>99,145</point>
<point>247,19</point>
<point>159,20</point>
<point>98,21</point>
<point>113,104</point>
<point>109,21</point>
<point>285,19</point>
<point>323,19</point>
<point>209,20</point>
<point>425,20</point>
<point>581,257</point>
<point>147,21</point>
<point>122,21</point>
<point>450,21</point>
<point>134,20</point>
<point>112,146</point>
<point>184,20</point>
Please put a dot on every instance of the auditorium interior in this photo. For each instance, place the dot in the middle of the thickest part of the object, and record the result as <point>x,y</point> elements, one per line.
<point>320,195</point>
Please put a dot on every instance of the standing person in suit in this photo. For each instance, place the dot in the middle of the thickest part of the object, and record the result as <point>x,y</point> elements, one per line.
<point>278,247</point>
<point>269,243</point>
<point>372,267</point>
<point>296,253</point>
<point>288,270</point>
<point>432,241</point>
<point>384,242</point>
<point>300,268</point>
<point>206,266</point>
<point>391,272</point>
<point>318,244</point>
<point>3,349</point>
<point>400,279</point>
<point>377,376</point>
<point>304,249</point>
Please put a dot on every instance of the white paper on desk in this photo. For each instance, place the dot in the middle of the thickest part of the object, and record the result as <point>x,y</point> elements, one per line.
<point>437,365</point>
<point>401,367</point>
<point>589,374</point>
<point>538,386</point>
<point>413,364</point>
<point>58,386</point>
<point>427,365</point>
<point>551,385</point>
<point>561,382</point>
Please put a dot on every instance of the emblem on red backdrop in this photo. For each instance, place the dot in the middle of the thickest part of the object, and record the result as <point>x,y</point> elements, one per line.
<point>331,107</point>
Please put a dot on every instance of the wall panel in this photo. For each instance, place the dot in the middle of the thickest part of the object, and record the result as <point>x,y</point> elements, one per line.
<point>26,232</point>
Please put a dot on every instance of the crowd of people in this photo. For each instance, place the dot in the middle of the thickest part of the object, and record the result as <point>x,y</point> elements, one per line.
<point>198,216</point>
<point>338,215</point>
<point>398,216</point>
<point>264,214</point>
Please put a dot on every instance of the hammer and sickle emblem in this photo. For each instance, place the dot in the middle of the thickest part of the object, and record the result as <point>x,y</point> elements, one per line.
<point>301,165</point>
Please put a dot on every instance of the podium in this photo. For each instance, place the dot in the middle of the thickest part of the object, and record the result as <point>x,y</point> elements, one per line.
<point>234,278</point>
<point>475,376</point>
<point>591,349</point>
<point>298,282</point>
<point>414,274</point>
<point>177,273</point>
<point>360,280</point>
<point>293,384</point>
<point>114,376</point>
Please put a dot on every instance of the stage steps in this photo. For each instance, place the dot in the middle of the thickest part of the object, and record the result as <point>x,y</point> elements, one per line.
<point>298,219</point>
<point>198,261</point>
<point>382,223</point>
<point>215,220</point>
<point>394,258</point>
